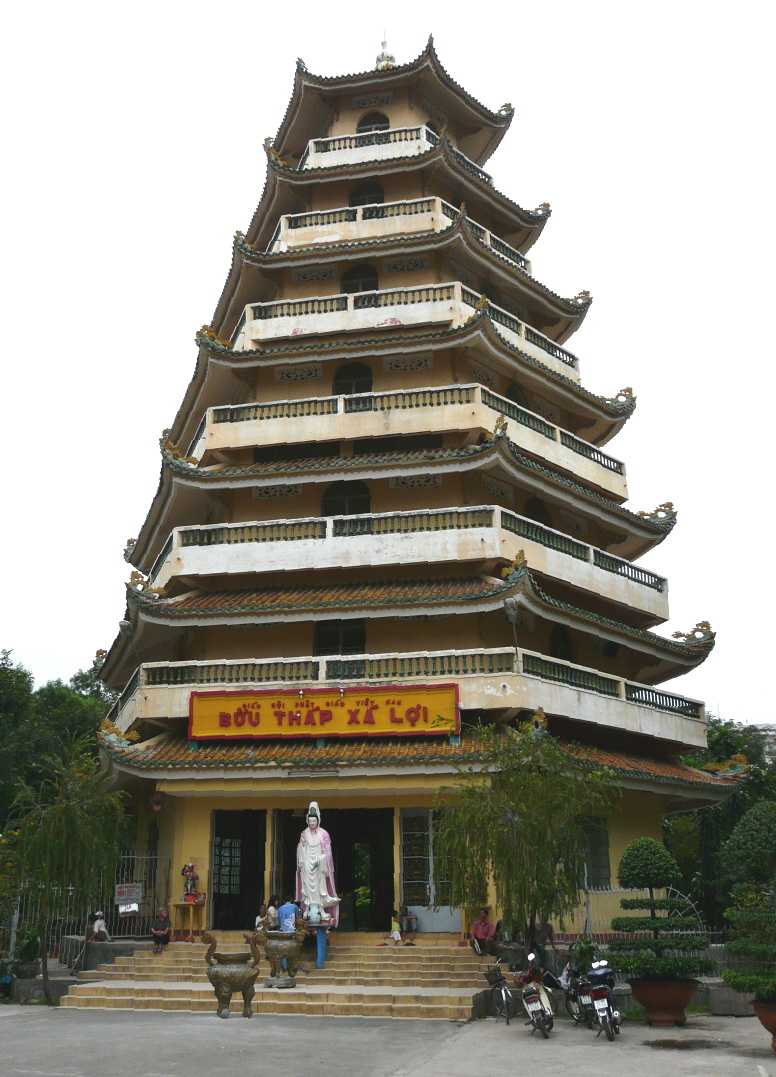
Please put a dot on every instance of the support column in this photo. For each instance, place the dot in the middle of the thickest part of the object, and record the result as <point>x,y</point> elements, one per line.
<point>397,858</point>
<point>269,849</point>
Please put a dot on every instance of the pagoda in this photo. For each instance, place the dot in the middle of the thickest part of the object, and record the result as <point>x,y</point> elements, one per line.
<point>387,510</point>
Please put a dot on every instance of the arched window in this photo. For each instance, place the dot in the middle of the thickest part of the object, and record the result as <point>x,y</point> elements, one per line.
<point>346,499</point>
<point>352,378</point>
<point>367,193</point>
<point>359,278</point>
<point>373,121</point>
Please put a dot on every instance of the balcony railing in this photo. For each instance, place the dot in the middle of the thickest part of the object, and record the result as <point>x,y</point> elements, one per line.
<point>403,400</point>
<point>451,302</point>
<point>500,662</point>
<point>378,145</point>
<point>417,214</point>
<point>414,522</point>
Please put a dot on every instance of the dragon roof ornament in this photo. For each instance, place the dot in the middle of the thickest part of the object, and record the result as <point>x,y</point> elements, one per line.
<point>701,635</point>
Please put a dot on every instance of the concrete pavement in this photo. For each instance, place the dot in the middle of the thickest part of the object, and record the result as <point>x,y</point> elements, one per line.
<point>37,1042</point>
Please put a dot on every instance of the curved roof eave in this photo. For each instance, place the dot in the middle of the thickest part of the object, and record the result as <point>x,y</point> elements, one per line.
<point>571,310</point>
<point>305,81</point>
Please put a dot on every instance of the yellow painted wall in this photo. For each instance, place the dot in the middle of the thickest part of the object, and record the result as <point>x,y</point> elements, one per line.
<point>187,818</point>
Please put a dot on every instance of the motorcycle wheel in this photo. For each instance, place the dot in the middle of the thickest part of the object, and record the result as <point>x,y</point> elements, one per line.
<point>574,1010</point>
<point>498,1002</point>
<point>545,1031</point>
<point>607,1027</point>
<point>506,1002</point>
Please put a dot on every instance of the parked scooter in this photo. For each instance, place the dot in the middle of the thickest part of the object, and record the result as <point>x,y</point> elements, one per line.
<point>598,985</point>
<point>537,983</point>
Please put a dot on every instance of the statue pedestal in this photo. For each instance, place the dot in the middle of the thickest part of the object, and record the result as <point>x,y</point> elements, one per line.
<point>321,946</point>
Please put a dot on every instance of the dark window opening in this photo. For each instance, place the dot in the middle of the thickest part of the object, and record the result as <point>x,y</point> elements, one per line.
<point>339,637</point>
<point>516,393</point>
<point>359,278</point>
<point>405,444</point>
<point>536,509</point>
<point>346,499</point>
<point>599,876</point>
<point>352,378</point>
<point>560,643</point>
<point>310,450</point>
<point>610,649</point>
<point>373,121</point>
<point>368,193</point>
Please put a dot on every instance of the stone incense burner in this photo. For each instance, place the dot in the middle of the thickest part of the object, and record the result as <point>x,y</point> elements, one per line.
<point>232,972</point>
<point>280,945</point>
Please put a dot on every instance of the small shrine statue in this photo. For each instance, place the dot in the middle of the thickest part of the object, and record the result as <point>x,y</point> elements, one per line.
<point>190,877</point>
<point>315,886</point>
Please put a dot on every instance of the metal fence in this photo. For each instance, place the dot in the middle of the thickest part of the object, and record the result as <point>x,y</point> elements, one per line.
<point>71,910</point>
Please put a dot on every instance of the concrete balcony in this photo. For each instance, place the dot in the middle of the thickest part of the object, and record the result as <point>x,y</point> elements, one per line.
<point>355,224</point>
<point>437,410</point>
<point>490,679</point>
<point>482,533</point>
<point>379,146</point>
<point>450,304</point>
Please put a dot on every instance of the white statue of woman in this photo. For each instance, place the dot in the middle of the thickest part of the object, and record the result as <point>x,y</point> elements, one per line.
<point>315,886</point>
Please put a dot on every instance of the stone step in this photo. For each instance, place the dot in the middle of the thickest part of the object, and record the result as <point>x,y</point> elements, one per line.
<point>450,1008</point>
<point>283,1006</point>
<point>314,976</point>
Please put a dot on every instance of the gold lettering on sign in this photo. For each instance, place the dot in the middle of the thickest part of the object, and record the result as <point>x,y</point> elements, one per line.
<point>417,710</point>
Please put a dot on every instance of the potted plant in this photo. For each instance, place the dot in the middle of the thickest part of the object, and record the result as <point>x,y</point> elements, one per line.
<point>660,952</point>
<point>750,856</point>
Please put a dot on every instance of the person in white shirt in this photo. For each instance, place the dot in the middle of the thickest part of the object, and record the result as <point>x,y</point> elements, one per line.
<point>100,928</point>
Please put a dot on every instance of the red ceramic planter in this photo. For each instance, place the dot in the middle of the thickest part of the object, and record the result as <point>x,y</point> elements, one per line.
<point>664,1000</point>
<point>766,1012</point>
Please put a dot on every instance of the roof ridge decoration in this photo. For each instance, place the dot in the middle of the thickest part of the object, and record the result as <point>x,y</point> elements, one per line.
<point>624,403</point>
<point>171,751</point>
<point>658,521</point>
<point>444,149</point>
<point>518,581</point>
<point>695,644</point>
<point>574,306</point>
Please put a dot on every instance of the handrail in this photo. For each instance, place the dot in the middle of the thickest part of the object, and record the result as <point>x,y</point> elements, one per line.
<point>425,397</point>
<point>456,518</point>
<point>409,207</point>
<point>471,662</point>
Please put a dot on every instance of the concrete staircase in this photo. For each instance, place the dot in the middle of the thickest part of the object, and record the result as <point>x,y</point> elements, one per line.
<point>436,978</point>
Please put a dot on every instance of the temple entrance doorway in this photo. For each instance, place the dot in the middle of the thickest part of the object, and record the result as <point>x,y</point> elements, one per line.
<point>362,841</point>
<point>237,871</point>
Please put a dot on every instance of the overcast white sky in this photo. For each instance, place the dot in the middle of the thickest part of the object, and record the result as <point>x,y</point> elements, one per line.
<point>133,138</point>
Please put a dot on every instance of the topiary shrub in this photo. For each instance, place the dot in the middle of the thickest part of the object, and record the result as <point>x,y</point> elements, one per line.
<point>749,854</point>
<point>753,918</point>
<point>662,944</point>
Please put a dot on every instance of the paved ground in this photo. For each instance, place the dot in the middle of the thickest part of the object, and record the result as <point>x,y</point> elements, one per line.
<point>36,1042</point>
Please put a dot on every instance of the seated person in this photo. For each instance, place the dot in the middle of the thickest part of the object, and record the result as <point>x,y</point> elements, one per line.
<point>287,914</point>
<point>99,928</point>
<point>262,920</point>
<point>395,932</point>
<point>483,933</point>
<point>272,913</point>
<point>161,930</point>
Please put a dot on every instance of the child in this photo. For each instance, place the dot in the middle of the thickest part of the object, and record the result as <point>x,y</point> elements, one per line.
<point>262,919</point>
<point>272,913</point>
<point>408,925</point>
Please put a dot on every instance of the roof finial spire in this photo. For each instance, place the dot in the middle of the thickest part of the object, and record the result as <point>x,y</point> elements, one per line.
<point>385,61</point>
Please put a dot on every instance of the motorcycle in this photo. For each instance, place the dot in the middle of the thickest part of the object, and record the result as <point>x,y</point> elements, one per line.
<point>578,1001</point>
<point>598,985</point>
<point>536,984</point>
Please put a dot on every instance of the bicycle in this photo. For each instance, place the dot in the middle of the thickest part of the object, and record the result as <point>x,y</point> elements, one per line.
<point>502,999</point>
